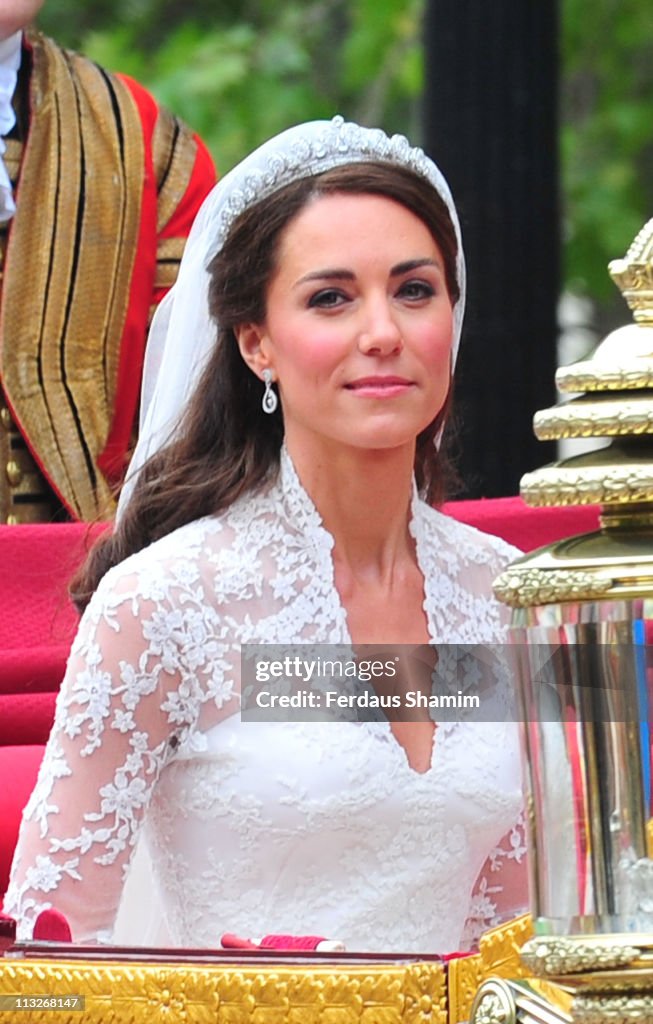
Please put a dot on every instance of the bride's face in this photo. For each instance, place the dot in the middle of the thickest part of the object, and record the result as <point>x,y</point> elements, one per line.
<point>358,324</point>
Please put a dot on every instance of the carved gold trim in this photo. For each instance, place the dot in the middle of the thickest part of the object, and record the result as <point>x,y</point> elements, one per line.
<point>162,993</point>
<point>552,955</point>
<point>588,485</point>
<point>625,417</point>
<point>494,1004</point>
<point>633,275</point>
<point>527,587</point>
<point>498,955</point>
<point>529,1002</point>
<point>500,947</point>
<point>626,1008</point>
<point>591,376</point>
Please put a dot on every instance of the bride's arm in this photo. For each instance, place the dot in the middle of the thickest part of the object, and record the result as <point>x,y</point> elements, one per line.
<point>501,889</point>
<point>126,703</point>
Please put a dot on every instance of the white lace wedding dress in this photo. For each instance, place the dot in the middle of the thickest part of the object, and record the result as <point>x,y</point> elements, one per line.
<point>255,827</point>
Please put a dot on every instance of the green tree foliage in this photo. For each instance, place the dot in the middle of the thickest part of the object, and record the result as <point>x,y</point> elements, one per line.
<point>240,70</point>
<point>607,137</point>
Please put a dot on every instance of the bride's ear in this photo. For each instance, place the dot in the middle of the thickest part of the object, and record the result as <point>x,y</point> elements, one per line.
<point>252,342</point>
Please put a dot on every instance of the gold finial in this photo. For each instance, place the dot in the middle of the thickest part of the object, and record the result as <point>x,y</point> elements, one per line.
<point>610,396</point>
<point>633,275</point>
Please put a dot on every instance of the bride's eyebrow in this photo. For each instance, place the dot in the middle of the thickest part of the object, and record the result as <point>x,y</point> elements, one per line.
<point>329,274</point>
<point>408,265</point>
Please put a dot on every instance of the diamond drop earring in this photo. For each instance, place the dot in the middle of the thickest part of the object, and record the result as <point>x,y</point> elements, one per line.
<point>270,400</point>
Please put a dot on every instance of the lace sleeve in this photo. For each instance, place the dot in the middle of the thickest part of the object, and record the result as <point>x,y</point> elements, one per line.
<point>501,889</point>
<point>128,701</point>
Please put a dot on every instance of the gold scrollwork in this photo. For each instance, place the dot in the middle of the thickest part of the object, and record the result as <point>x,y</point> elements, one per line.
<point>425,997</point>
<point>627,1008</point>
<point>498,955</point>
<point>527,587</point>
<point>558,955</point>
<point>529,1001</point>
<point>589,376</point>
<point>141,993</point>
<point>493,1004</point>
<point>619,418</point>
<point>633,275</point>
<point>587,486</point>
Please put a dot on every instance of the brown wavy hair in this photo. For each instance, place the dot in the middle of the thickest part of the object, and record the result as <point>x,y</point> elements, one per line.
<point>226,444</point>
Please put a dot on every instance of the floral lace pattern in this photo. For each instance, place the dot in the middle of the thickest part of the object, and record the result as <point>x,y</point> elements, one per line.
<point>256,827</point>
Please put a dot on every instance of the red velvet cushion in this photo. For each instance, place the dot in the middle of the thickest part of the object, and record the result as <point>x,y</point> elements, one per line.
<point>37,623</point>
<point>526,528</point>
<point>26,717</point>
<point>37,563</point>
<point>18,770</point>
<point>32,669</point>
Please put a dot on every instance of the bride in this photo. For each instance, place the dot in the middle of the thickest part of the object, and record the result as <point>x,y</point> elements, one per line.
<point>282,492</point>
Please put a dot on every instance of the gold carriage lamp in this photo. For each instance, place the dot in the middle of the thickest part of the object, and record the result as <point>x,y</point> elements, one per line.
<point>582,631</point>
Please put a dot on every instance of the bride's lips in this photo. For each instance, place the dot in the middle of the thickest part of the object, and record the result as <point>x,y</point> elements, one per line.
<point>380,386</point>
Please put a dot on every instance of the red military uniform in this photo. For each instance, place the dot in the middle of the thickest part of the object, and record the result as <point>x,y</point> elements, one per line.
<point>108,184</point>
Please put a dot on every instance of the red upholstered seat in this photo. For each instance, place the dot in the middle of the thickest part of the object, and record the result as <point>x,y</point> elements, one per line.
<point>19,767</point>
<point>36,563</point>
<point>526,528</point>
<point>37,625</point>
<point>38,622</point>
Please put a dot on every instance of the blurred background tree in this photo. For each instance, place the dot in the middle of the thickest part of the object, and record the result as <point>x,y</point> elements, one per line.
<point>238,71</point>
<point>241,70</point>
<point>606,142</point>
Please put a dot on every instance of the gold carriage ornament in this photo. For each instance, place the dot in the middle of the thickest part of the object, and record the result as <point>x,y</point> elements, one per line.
<point>582,631</point>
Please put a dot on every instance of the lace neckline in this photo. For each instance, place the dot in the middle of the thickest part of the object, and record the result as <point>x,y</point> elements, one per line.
<point>299,505</point>
<point>305,516</point>
<point>303,513</point>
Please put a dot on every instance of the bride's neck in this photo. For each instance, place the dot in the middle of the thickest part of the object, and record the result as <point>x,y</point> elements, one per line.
<point>363,498</point>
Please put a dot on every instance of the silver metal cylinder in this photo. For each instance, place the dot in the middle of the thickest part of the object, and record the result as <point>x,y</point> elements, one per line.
<point>586,683</point>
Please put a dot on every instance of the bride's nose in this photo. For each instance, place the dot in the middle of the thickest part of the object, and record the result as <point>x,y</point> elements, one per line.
<point>379,333</point>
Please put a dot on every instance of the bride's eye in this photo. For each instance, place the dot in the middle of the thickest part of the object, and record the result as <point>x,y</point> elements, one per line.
<point>416,290</point>
<point>327,298</point>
